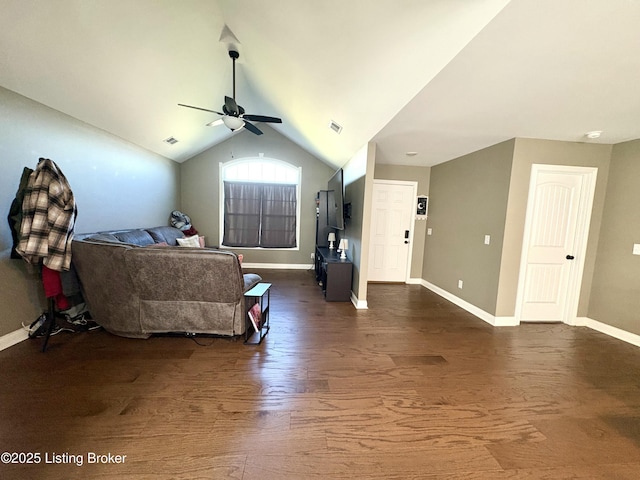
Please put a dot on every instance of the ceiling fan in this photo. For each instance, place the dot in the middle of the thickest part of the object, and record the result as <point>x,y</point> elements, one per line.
<point>233,115</point>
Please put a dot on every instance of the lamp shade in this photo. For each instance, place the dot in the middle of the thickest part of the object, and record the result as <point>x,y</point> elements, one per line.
<point>332,237</point>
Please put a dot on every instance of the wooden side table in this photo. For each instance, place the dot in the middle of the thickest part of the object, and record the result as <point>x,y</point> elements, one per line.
<point>261,294</point>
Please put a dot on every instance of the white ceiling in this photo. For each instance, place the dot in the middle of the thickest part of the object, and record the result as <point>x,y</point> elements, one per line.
<point>440,77</point>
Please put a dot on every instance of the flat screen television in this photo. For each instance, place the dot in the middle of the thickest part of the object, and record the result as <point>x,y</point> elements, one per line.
<point>335,201</point>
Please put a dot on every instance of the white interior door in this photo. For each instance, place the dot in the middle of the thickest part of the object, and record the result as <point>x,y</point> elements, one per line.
<point>393,211</point>
<point>558,214</point>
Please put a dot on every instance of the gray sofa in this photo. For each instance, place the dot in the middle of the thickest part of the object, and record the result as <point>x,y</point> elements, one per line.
<point>134,286</point>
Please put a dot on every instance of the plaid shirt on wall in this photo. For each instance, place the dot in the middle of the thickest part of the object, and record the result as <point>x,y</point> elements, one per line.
<point>49,213</point>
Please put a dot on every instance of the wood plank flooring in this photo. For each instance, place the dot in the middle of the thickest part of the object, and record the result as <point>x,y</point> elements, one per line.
<point>412,388</point>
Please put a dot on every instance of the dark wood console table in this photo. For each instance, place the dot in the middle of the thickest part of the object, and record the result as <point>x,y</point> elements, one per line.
<point>333,274</point>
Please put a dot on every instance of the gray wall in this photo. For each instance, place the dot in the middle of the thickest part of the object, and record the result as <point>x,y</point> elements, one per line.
<point>421,175</point>
<point>200,189</point>
<point>468,200</point>
<point>116,185</point>
<point>486,192</point>
<point>615,292</point>
<point>358,185</point>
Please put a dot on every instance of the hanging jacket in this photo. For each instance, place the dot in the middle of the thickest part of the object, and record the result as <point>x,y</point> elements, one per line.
<point>48,218</point>
<point>15,212</point>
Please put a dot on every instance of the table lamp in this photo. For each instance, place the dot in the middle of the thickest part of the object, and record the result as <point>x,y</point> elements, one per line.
<point>343,247</point>
<point>331,238</point>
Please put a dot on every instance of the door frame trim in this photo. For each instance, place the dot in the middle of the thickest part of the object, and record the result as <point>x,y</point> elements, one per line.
<point>414,185</point>
<point>589,176</point>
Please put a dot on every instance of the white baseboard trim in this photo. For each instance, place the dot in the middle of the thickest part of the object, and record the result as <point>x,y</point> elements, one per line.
<point>359,304</point>
<point>481,314</point>
<point>478,312</point>
<point>506,322</point>
<point>279,266</point>
<point>614,332</point>
<point>580,322</point>
<point>13,338</point>
<point>415,281</point>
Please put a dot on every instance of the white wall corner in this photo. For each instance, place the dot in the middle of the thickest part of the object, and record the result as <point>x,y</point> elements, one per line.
<point>506,322</point>
<point>359,304</point>
<point>13,338</point>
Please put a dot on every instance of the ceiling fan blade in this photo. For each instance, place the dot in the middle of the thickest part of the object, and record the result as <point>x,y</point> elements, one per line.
<point>252,128</point>
<point>215,123</point>
<point>262,118</point>
<point>200,108</point>
<point>231,106</point>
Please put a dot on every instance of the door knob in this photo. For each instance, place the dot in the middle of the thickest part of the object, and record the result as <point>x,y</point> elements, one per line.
<point>570,257</point>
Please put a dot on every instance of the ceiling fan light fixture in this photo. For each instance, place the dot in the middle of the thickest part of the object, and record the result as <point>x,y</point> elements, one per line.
<point>233,115</point>
<point>232,123</point>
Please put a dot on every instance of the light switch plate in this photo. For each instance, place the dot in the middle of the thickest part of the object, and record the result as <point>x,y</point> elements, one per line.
<point>487,239</point>
<point>429,231</point>
<point>636,248</point>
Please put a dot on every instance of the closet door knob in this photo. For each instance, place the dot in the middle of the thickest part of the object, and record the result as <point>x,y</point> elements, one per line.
<point>570,257</point>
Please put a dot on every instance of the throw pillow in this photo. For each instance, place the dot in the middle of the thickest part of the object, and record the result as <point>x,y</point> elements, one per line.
<point>189,242</point>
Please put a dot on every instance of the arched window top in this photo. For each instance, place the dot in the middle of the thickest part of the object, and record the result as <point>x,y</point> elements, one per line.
<point>261,170</point>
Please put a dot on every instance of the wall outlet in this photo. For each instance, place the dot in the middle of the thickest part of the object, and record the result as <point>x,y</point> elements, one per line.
<point>459,283</point>
<point>636,248</point>
<point>429,231</point>
<point>487,239</point>
<point>313,256</point>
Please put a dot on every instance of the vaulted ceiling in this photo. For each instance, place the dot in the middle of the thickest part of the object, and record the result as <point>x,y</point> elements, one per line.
<point>441,78</point>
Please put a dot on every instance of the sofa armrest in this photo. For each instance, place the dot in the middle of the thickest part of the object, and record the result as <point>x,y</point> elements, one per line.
<point>251,280</point>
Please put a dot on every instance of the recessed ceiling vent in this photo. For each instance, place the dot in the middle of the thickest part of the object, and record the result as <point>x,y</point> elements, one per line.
<point>335,127</point>
<point>171,140</point>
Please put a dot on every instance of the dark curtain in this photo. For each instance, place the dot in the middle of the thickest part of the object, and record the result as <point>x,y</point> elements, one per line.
<point>278,216</point>
<point>259,215</point>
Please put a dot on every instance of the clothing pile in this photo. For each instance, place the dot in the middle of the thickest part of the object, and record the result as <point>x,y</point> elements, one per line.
<point>42,219</point>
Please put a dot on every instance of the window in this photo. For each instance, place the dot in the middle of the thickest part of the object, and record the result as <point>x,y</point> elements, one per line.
<point>259,203</point>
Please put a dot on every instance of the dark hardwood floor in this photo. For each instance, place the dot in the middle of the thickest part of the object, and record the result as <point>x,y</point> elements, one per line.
<point>412,388</point>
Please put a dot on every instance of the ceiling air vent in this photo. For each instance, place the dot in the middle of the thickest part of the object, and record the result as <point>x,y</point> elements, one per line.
<point>171,140</point>
<point>335,127</point>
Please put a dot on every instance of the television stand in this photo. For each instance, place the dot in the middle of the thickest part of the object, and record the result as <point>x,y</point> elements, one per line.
<point>333,274</point>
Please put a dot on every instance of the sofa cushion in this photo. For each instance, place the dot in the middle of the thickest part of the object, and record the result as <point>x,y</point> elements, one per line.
<point>136,237</point>
<point>165,234</point>
<point>103,237</point>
